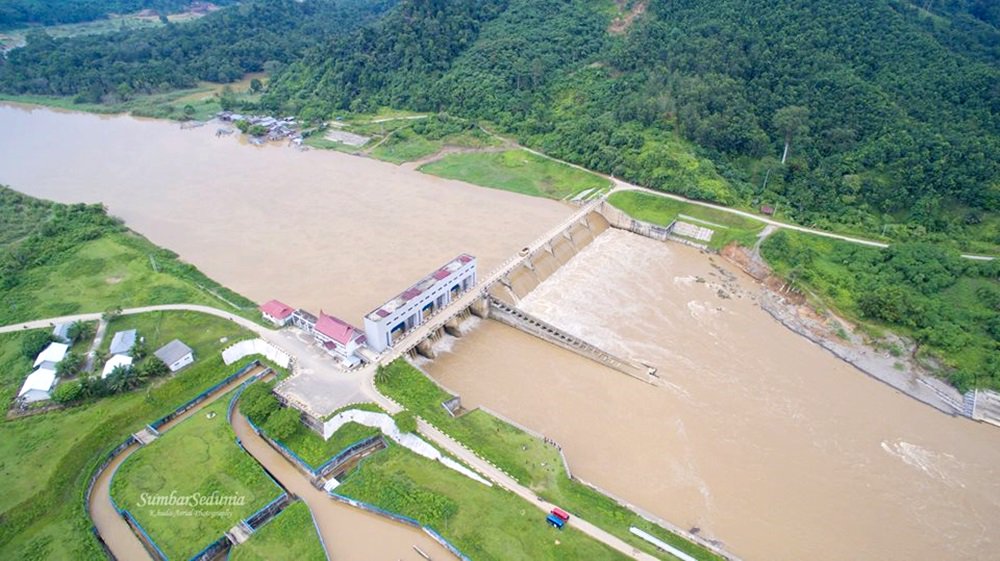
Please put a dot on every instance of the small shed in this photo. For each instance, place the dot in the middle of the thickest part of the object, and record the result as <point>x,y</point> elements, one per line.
<point>53,355</point>
<point>38,386</point>
<point>114,362</point>
<point>61,332</point>
<point>122,342</point>
<point>175,355</point>
<point>277,312</point>
<point>767,209</point>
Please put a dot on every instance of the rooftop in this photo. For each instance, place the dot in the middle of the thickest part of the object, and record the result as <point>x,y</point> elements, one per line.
<point>173,351</point>
<point>420,287</point>
<point>42,380</point>
<point>122,342</point>
<point>54,353</point>
<point>276,309</point>
<point>336,329</point>
<point>114,362</point>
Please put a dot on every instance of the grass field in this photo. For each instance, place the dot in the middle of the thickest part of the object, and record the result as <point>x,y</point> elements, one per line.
<point>662,211</point>
<point>526,458</point>
<point>200,458</point>
<point>486,523</point>
<point>516,170</point>
<point>47,460</point>
<point>291,536</point>
<point>201,332</point>
<point>115,270</point>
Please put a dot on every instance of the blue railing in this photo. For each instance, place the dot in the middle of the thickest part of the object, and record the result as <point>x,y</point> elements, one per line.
<point>135,524</point>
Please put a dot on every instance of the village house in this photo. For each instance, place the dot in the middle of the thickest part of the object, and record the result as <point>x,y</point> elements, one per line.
<point>114,362</point>
<point>277,313</point>
<point>51,356</point>
<point>122,342</point>
<point>61,332</point>
<point>339,338</point>
<point>38,386</point>
<point>175,355</point>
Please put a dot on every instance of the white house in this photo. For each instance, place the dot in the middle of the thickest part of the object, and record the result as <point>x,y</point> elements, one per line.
<point>52,355</point>
<point>338,337</point>
<point>38,386</point>
<point>114,362</point>
<point>175,355</point>
<point>277,312</point>
<point>122,342</point>
<point>61,332</point>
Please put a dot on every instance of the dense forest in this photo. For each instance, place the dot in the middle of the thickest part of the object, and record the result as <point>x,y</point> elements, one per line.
<point>14,13</point>
<point>878,116</point>
<point>220,47</point>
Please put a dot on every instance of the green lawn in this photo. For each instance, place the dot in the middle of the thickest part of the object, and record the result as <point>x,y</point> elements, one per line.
<point>518,171</point>
<point>484,522</point>
<point>315,451</point>
<point>662,211</point>
<point>204,333</point>
<point>406,146</point>
<point>291,536</point>
<point>14,368</point>
<point>47,460</point>
<point>526,458</point>
<point>114,270</point>
<point>198,457</point>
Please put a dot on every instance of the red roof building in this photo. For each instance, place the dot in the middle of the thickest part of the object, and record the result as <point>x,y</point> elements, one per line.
<point>336,330</point>
<point>277,312</point>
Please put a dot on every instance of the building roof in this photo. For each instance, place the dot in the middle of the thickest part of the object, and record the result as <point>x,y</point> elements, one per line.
<point>61,331</point>
<point>122,342</point>
<point>420,287</point>
<point>173,351</point>
<point>305,316</point>
<point>276,309</point>
<point>336,329</point>
<point>54,353</point>
<point>41,380</point>
<point>114,362</point>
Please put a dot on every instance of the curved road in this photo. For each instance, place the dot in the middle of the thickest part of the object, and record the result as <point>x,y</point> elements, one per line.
<point>96,316</point>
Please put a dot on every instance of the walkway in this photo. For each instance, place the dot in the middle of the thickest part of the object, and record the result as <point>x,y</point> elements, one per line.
<point>96,316</point>
<point>508,483</point>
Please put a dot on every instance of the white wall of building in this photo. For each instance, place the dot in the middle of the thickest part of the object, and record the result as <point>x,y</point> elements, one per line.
<point>182,362</point>
<point>256,347</point>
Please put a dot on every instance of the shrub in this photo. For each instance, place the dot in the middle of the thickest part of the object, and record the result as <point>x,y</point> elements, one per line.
<point>258,403</point>
<point>68,392</point>
<point>283,423</point>
<point>34,343</point>
<point>406,421</point>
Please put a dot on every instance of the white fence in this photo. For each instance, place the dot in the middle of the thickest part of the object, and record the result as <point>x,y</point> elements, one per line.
<point>243,349</point>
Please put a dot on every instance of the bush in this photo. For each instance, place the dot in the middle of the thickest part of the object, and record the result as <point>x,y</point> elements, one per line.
<point>154,367</point>
<point>406,421</point>
<point>34,343</point>
<point>68,392</point>
<point>283,423</point>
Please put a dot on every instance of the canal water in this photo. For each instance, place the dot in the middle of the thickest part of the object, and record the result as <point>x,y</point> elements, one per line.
<point>755,436</point>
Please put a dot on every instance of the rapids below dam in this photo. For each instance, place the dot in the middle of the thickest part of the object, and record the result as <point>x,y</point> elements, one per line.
<point>755,435</point>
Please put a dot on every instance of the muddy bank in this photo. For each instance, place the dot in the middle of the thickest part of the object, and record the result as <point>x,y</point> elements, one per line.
<point>793,310</point>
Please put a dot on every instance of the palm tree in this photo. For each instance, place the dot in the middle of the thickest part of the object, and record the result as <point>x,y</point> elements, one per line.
<point>80,331</point>
<point>122,378</point>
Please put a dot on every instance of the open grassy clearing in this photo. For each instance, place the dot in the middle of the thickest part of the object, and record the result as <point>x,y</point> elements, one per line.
<point>484,522</point>
<point>518,171</point>
<point>289,537</point>
<point>43,511</point>
<point>662,211</point>
<point>201,332</point>
<point>528,459</point>
<point>197,458</point>
<point>115,270</point>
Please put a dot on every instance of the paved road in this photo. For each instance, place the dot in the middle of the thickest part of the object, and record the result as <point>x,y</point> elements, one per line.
<point>96,316</point>
<point>508,483</point>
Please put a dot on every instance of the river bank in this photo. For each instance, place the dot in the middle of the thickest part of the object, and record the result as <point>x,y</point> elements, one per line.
<point>902,371</point>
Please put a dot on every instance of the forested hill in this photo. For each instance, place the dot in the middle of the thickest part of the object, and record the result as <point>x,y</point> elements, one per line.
<point>891,112</point>
<point>47,12</point>
<point>877,116</point>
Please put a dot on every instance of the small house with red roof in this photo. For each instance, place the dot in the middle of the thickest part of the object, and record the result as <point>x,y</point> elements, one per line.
<point>277,313</point>
<point>338,338</point>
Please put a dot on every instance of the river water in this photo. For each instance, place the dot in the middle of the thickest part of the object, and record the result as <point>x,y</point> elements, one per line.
<point>756,436</point>
<point>316,229</point>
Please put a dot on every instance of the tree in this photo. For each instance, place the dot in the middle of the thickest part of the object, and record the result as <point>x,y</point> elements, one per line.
<point>283,423</point>
<point>35,342</point>
<point>153,367</point>
<point>67,392</point>
<point>406,421</point>
<point>189,110</point>
<point>122,378</point>
<point>258,403</point>
<point>80,331</point>
<point>70,365</point>
<point>256,85</point>
<point>140,350</point>
<point>790,121</point>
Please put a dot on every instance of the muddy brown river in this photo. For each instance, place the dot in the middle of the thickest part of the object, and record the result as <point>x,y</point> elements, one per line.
<point>756,436</point>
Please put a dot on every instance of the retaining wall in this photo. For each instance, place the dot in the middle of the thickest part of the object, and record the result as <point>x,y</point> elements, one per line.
<point>251,347</point>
